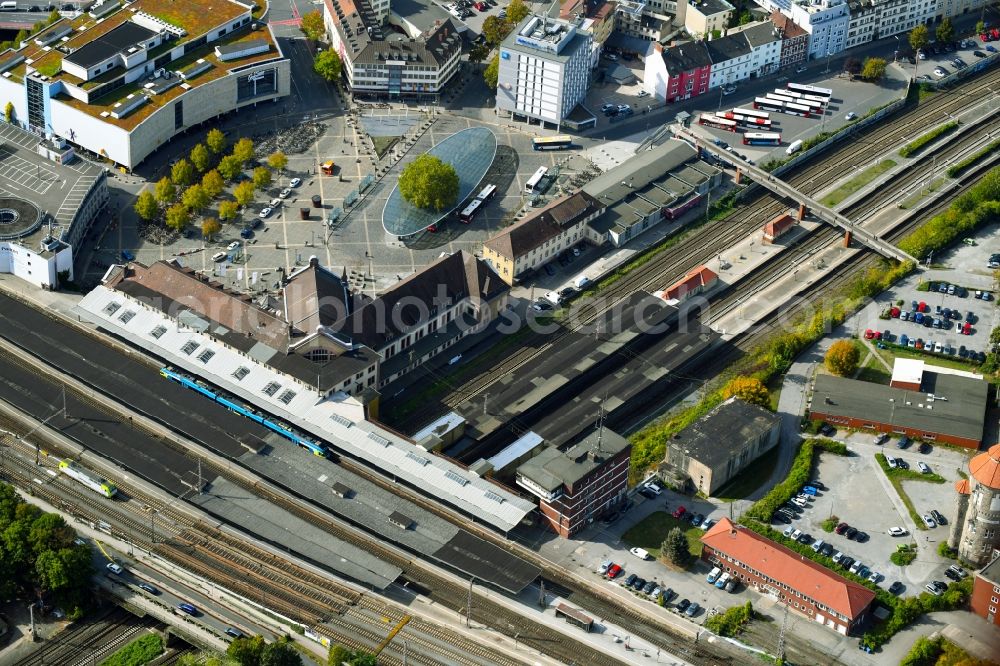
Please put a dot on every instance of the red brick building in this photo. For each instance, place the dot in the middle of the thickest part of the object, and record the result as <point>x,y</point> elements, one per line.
<point>679,72</point>
<point>794,40</point>
<point>803,585</point>
<point>695,282</point>
<point>778,226</point>
<point>576,486</point>
<point>986,591</point>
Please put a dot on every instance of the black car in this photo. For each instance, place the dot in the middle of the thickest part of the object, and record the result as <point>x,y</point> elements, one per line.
<point>630,581</point>
<point>851,532</point>
<point>149,588</point>
<point>827,429</point>
<point>805,538</point>
<point>826,549</point>
<point>793,508</point>
<point>896,587</point>
<point>846,561</point>
<point>902,464</point>
<point>938,518</point>
<point>970,317</point>
<point>952,575</point>
<point>940,585</point>
<point>779,517</point>
<point>861,537</point>
<point>697,519</point>
<point>924,447</point>
<point>649,587</point>
<point>903,442</point>
<point>979,54</point>
<point>667,594</point>
<point>639,583</point>
<point>683,604</point>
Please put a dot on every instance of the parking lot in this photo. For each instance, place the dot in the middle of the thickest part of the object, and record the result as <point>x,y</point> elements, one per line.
<point>965,266</point>
<point>943,58</point>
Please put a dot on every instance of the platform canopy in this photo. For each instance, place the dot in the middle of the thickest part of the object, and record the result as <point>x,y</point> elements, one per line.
<point>471,152</point>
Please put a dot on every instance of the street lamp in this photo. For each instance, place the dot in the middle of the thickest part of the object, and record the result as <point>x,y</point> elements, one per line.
<point>829,54</point>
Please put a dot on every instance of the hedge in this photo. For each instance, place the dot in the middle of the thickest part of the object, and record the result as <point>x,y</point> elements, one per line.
<point>798,476</point>
<point>967,213</point>
<point>140,651</point>
<point>957,168</point>
<point>925,652</point>
<point>917,144</point>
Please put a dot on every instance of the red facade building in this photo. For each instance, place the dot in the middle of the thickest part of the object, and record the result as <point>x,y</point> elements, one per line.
<point>679,72</point>
<point>986,591</point>
<point>576,486</point>
<point>803,585</point>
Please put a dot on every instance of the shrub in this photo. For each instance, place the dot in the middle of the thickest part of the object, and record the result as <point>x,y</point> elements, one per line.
<point>749,389</point>
<point>946,551</point>
<point>731,622</point>
<point>904,555</point>
<point>917,144</point>
<point>925,652</point>
<point>140,651</point>
<point>906,611</point>
<point>830,523</point>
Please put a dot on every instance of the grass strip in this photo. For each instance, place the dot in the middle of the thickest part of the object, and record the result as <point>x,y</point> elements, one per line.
<point>898,486</point>
<point>857,182</point>
<point>920,142</point>
<point>650,532</point>
<point>959,167</point>
<point>137,653</point>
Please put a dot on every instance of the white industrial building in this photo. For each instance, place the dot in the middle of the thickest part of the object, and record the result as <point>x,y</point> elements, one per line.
<point>544,70</point>
<point>122,80</point>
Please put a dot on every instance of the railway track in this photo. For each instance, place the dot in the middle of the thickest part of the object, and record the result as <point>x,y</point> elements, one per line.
<point>86,643</point>
<point>715,237</point>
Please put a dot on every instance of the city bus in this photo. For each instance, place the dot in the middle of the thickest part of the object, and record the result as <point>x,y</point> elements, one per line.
<point>469,212</point>
<point>765,104</point>
<point>750,122</point>
<point>719,123</point>
<point>804,100</point>
<point>762,139</point>
<point>750,113</point>
<point>487,193</point>
<point>794,109</point>
<point>816,98</point>
<point>532,185</point>
<point>552,142</point>
<point>780,98</point>
<point>825,93</point>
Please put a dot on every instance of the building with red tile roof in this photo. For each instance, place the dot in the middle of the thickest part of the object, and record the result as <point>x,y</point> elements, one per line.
<point>695,282</point>
<point>803,585</point>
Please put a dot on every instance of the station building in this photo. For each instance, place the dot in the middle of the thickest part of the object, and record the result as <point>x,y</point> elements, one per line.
<point>802,585</point>
<point>122,80</point>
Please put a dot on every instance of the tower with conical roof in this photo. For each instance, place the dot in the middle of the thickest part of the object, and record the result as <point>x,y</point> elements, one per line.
<point>980,524</point>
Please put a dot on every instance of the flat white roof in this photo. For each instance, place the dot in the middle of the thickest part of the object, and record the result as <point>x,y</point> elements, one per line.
<point>908,370</point>
<point>440,427</point>
<point>337,419</point>
<point>513,451</point>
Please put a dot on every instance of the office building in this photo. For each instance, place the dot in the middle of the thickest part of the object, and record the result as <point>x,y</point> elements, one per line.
<point>544,70</point>
<point>122,80</point>
<point>703,19</point>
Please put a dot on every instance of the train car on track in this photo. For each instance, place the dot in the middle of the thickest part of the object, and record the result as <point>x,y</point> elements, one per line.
<point>230,403</point>
<point>95,483</point>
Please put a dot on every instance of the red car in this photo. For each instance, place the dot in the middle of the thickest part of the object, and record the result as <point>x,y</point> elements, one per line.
<point>894,312</point>
<point>614,571</point>
<point>967,329</point>
<point>869,334</point>
<point>841,528</point>
<point>679,511</point>
<point>922,307</point>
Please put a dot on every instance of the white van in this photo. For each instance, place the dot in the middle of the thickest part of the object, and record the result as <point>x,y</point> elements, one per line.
<point>8,6</point>
<point>794,147</point>
<point>581,282</point>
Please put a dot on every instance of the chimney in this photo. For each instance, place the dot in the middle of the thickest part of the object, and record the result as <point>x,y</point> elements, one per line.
<point>658,47</point>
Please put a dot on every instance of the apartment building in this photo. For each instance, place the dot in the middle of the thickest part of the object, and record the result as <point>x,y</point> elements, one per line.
<point>119,81</point>
<point>544,70</point>
<point>703,18</point>
<point>747,52</point>
<point>677,73</point>
<point>826,21</point>
<point>794,40</point>
<point>541,237</point>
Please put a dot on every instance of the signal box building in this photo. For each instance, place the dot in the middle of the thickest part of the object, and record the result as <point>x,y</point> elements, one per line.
<point>577,485</point>
<point>804,586</point>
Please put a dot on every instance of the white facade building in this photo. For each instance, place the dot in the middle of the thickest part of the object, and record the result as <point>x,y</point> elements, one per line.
<point>826,21</point>
<point>544,69</point>
<point>750,51</point>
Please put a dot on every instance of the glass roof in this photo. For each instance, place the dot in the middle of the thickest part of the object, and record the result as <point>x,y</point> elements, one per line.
<point>471,152</point>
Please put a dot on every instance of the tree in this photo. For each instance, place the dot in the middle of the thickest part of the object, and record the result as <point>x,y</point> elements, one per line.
<point>980,27</point>
<point>216,141</point>
<point>852,66</point>
<point>209,227</point>
<point>230,167</point>
<point>338,655</point>
<point>492,72</point>
<point>277,160</point>
<point>842,358</point>
<point>429,183</point>
<point>178,217</point>
<point>495,29</point>
<point>228,210</point>
<point>200,157</point>
<point>280,653</point>
<point>212,183</point>
<point>146,206</point>
<point>748,389</point>
<point>165,192</point>
<point>675,548</point>
<point>195,198</point>
<point>327,65</point>
<point>244,193</point>
<point>874,69</point>
<point>8,112</point>
<point>479,53</point>
<point>261,177</point>
<point>919,37</point>
<point>516,11</point>
<point>312,26</point>
<point>945,31</point>
<point>182,173</point>
<point>247,651</point>
<point>243,150</point>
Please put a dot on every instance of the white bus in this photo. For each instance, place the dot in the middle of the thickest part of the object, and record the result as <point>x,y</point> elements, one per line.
<point>795,109</point>
<point>532,185</point>
<point>750,113</point>
<point>719,123</point>
<point>780,98</point>
<point>746,122</point>
<point>825,93</point>
<point>762,139</point>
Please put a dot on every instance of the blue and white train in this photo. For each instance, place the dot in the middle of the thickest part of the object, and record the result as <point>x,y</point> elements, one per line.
<point>314,447</point>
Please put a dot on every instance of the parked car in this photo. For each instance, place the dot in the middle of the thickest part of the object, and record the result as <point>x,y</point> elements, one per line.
<point>295,182</point>
<point>850,532</point>
<point>936,515</point>
<point>652,486</point>
<point>679,511</point>
<point>924,469</point>
<point>904,442</point>
<point>640,553</point>
<point>649,587</point>
<point>630,580</point>
<point>682,605</point>
<point>932,589</point>
<point>841,528</point>
<point>614,571</point>
<point>896,587</point>
<point>861,537</point>
<point>959,570</point>
<point>850,116</point>
<point>882,437</point>
<point>928,521</point>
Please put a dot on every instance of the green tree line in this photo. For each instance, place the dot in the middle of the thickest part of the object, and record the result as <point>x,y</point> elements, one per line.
<point>39,559</point>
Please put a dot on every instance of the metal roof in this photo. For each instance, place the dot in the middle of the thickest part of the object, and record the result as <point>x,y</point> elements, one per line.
<point>337,419</point>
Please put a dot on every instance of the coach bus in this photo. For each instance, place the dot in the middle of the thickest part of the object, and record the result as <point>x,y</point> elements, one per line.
<point>762,139</point>
<point>825,93</point>
<point>714,121</point>
<point>532,185</point>
<point>552,142</point>
<point>750,113</point>
<point>765,104</point>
